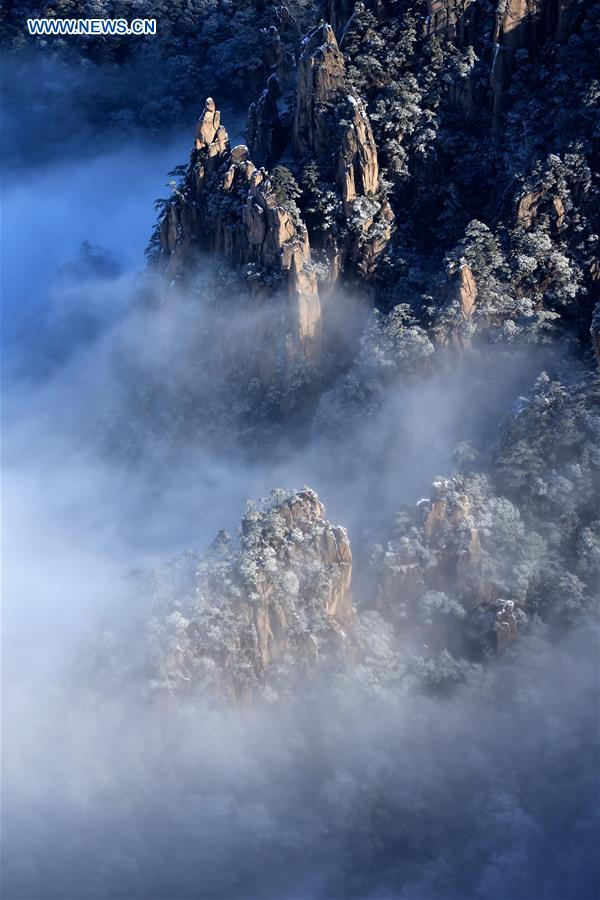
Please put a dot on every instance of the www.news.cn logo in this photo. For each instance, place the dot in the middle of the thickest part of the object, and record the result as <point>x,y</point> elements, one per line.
<point>99,27</point>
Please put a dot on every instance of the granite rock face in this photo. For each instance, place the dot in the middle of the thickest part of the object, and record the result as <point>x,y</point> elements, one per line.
<point>210,134</point>
<point>321,85</point>
<point>466,289</point>
<point>448,18</point>
<point>321,76</point>
<point>443,579</point>
<point>332,128</point>
<point>358,169</point>
<point>539,201</point>
<point>266,130</point>
<point>265,609</point>
<point>228,208</point>
<point>524,25</point>
<point>228,205</point>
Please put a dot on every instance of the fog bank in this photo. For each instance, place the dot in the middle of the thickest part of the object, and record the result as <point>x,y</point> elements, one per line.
<point>362,786</point>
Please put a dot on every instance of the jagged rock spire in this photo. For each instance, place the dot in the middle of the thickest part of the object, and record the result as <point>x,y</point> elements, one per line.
<point>263,232</point>
<point>321,75</point>
<point>254,625</point>
<point>324,100</point>
<point>210,134</point>
<point>265,129</point>
<point>358,168</point>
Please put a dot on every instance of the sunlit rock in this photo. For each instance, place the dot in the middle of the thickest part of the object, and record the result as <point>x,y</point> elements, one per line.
<point>268,607</point>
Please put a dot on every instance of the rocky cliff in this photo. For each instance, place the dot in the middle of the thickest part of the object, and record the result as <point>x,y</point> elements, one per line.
<point>384,148</point>
<point>228,207</point>
<point>445,578</point>
<point>424,160</point>
<point>323,89</point>
<point>332,130</point>
<point>262,610</point>
<point>449,19</point>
